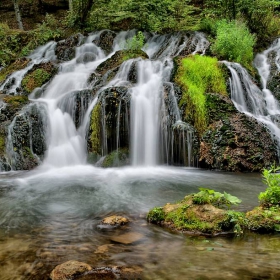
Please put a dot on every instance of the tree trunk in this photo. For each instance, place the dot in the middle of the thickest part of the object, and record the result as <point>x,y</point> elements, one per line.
<point>18,16</point>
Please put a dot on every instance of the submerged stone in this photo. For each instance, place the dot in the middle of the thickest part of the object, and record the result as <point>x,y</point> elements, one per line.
<point>128,238</point>
<point>69,269</point>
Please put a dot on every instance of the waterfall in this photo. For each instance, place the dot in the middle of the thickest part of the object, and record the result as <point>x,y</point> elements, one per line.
<point>69,100</point>
<point>252,101</point>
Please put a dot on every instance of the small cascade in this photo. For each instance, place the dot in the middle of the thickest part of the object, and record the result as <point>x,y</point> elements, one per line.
<point>41,54</point>
<point>250,100</point>
<point>145,105</point>
<point>66,146</point>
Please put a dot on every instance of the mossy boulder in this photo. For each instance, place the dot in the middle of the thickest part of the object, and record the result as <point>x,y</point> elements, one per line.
<point>38,76</point>
<point>117,158</point>
<point>237,143</point>
<point>195,217</point>
<point>264,220</point>
<point>118,58</point>
<point>13,104</point>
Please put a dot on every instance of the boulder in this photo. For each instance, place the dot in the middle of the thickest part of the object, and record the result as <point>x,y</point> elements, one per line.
<point>115,220</point>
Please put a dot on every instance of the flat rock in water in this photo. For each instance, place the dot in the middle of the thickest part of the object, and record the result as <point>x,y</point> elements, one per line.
<point>69,269</point>
<point>127,238</point>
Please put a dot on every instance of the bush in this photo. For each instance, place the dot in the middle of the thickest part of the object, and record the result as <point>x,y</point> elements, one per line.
<point>271,197</point>
<point>135,43</point>
<point>234,42</point>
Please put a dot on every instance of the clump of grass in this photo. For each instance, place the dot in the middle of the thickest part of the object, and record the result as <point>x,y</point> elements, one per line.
<point>198,75</point>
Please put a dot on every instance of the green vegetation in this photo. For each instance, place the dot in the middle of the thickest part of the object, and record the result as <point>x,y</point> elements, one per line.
<point>207,196</point>
<point>196,213</point>
<point>261,16</point>
<point>234,42</point>
<point>266,217</point>
<point>18,43</point>
<point>116,158</point>
<point>35,79</point>
<point>95,130</point>
<point>16,101</point>
<point>135,43</point>
<point>154,15</point>
<point>271,197</point>
<point>198,75</point>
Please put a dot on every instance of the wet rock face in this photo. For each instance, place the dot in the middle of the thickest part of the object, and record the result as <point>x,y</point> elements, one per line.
<point>109,117</point>
<point>106,40</point>
<point>27,139</point>
<point>238,143</point>
<point>117,59</point>
<point>65,50</point>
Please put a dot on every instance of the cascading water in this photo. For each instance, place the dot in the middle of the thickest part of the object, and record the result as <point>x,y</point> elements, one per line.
<point>249,99</point>
<point>68,122</point>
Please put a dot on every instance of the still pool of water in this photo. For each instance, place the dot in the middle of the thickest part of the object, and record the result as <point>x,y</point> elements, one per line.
<point>50,216</point>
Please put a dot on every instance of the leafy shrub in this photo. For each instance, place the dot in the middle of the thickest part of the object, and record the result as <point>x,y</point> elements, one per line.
<point>135,43</point>
<point>271,197</point>
<point>208,196</point>
<point>234,42</point>
<point>198,75</point>
<point>156,215</point>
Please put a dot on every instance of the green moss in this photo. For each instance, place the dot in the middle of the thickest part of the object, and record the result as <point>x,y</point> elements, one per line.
<point>264,220</point>
<point>16,101</point>
<point>198,75</point>
<point>116,158</point>
<point>35,79</point>
<point>95,130</point>
<point>2,144</point>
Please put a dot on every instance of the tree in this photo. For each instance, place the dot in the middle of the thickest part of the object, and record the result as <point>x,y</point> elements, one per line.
<point>18,15</point>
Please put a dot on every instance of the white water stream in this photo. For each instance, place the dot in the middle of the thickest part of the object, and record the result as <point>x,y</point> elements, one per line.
<point>254,102</point>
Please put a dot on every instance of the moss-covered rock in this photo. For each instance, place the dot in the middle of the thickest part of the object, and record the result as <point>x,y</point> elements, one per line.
<point>38,76</point>
<point>94,140</point>
<point>116,158</point>
<point>118,58</point>
<point>237,143</point>
<point>13,105</point>
<point>264,220</point>
<point>190,216</point>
